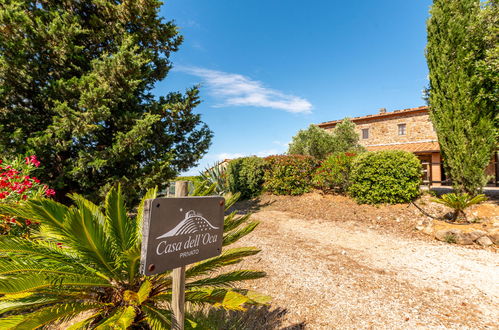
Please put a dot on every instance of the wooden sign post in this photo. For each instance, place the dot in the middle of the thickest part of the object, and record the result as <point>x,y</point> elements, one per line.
<point>178,276</point>
<point>179,231</point>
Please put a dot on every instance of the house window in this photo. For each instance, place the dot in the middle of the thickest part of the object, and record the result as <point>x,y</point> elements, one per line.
<point>401,129</point>
<point>365,133</point>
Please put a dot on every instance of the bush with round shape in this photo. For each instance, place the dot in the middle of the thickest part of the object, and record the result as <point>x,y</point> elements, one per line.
<point>245,175</point>
<point>334,173</point>
<point>289,175</point>
<point>390,176</point>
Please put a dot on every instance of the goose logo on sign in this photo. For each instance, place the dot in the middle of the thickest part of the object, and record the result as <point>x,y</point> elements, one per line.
<point>191,224</point>
<point>180,231</point>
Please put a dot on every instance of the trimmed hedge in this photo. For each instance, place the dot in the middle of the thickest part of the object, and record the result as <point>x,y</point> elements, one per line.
<point>245,175</point>
<point>390,176</point>
<point>334,173</point>
<point>289,174</point>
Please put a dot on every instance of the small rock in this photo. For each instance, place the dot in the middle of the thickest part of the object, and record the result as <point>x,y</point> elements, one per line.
<point>444,234</point>
<point>343,252</point>
<point>494,236</point>
<point>474,235</point>
<point>420,227</point>
<point>484,241</point>
<point>428,230</point>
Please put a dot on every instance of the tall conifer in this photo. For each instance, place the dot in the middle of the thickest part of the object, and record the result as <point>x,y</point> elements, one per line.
<point>462,110</point>
<point>76,81</point>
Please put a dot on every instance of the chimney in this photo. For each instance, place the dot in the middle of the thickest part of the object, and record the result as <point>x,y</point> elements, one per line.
<point>382,110</point>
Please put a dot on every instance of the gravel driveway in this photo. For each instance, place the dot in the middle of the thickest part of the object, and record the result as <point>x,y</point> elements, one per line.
<point>344,275</point>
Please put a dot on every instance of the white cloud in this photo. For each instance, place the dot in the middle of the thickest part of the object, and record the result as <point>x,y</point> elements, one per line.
<point>237,90</point>
<point>265,153</point>
<point>228,155</point>
<point>282,144</point>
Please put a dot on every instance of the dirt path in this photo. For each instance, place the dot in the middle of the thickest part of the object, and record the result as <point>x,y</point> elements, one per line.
<point>344,275</point>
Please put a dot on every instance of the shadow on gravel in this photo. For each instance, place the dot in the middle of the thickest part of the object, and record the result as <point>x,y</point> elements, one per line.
<point>254,318</point>
<point>249,206</point>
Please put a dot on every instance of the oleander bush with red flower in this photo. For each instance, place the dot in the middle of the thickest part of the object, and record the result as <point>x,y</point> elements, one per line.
<point>17,184</point>
<point>289,174</point>
<point>333,175</point>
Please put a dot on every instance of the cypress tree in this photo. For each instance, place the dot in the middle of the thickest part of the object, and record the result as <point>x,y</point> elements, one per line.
<point>462,110</point>
<point>76,80</point>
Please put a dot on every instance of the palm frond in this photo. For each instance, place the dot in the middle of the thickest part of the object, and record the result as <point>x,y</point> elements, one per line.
<point>30,302</point>
<point>226,258</point>
<point>204,189</point>
<point>233,221</point>
<point>121,318</point>
<point>86,234</point>
<point>229,299</point>
<point>35,281</point>
<point>11,266</point>
<point>45,316</point>
<point>157,318</point>
<point>231,199</point>
<point>236,235</point>
<point>144,291</point>
<point>45,211</point>
<point>119,227</point>
<point>227,279</point>
<point>14,247</point>
<point>130,259</point>
<point>85,323</point>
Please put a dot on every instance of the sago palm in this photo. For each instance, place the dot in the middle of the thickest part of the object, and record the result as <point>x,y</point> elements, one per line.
<point>84,266</point>
<point>459,202</point>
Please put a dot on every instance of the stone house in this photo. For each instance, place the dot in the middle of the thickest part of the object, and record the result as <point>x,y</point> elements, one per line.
<point>410,130</point>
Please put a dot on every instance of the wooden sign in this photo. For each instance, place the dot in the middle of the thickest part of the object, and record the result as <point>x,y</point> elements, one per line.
<point>180,231</point>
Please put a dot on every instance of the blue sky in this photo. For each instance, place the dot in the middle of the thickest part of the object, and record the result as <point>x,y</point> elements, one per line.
<point>269,68</point>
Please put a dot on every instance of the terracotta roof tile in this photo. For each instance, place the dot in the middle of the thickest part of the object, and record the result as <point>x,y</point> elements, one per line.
<point>411,147</point>
<point>380,115</point>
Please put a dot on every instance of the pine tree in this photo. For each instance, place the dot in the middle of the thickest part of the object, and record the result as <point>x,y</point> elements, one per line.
<point>76,80</point>
<point>462,110</point>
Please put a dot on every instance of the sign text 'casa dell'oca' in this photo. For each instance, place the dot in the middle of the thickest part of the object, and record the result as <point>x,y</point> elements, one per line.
<point>180,231</point>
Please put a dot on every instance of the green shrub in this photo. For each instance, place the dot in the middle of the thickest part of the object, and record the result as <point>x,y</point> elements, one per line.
<point>245,175</point>
<point>334,173</point>
<point>289,175</point>
<point>390,176</point>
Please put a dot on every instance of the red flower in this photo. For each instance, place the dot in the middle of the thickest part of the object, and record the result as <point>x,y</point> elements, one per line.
<point>50,192</point>
<point>32,160</point>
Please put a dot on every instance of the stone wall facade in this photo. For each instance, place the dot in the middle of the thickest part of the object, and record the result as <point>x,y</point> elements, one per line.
<point>385,130</point>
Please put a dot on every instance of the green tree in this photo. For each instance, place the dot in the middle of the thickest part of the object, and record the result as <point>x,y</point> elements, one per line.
<point>76,80</point>
<point>313,141</point>
<point>463,87</point>
<point>87,261</point>
<point>346,138</point>
<point>318,143</point>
